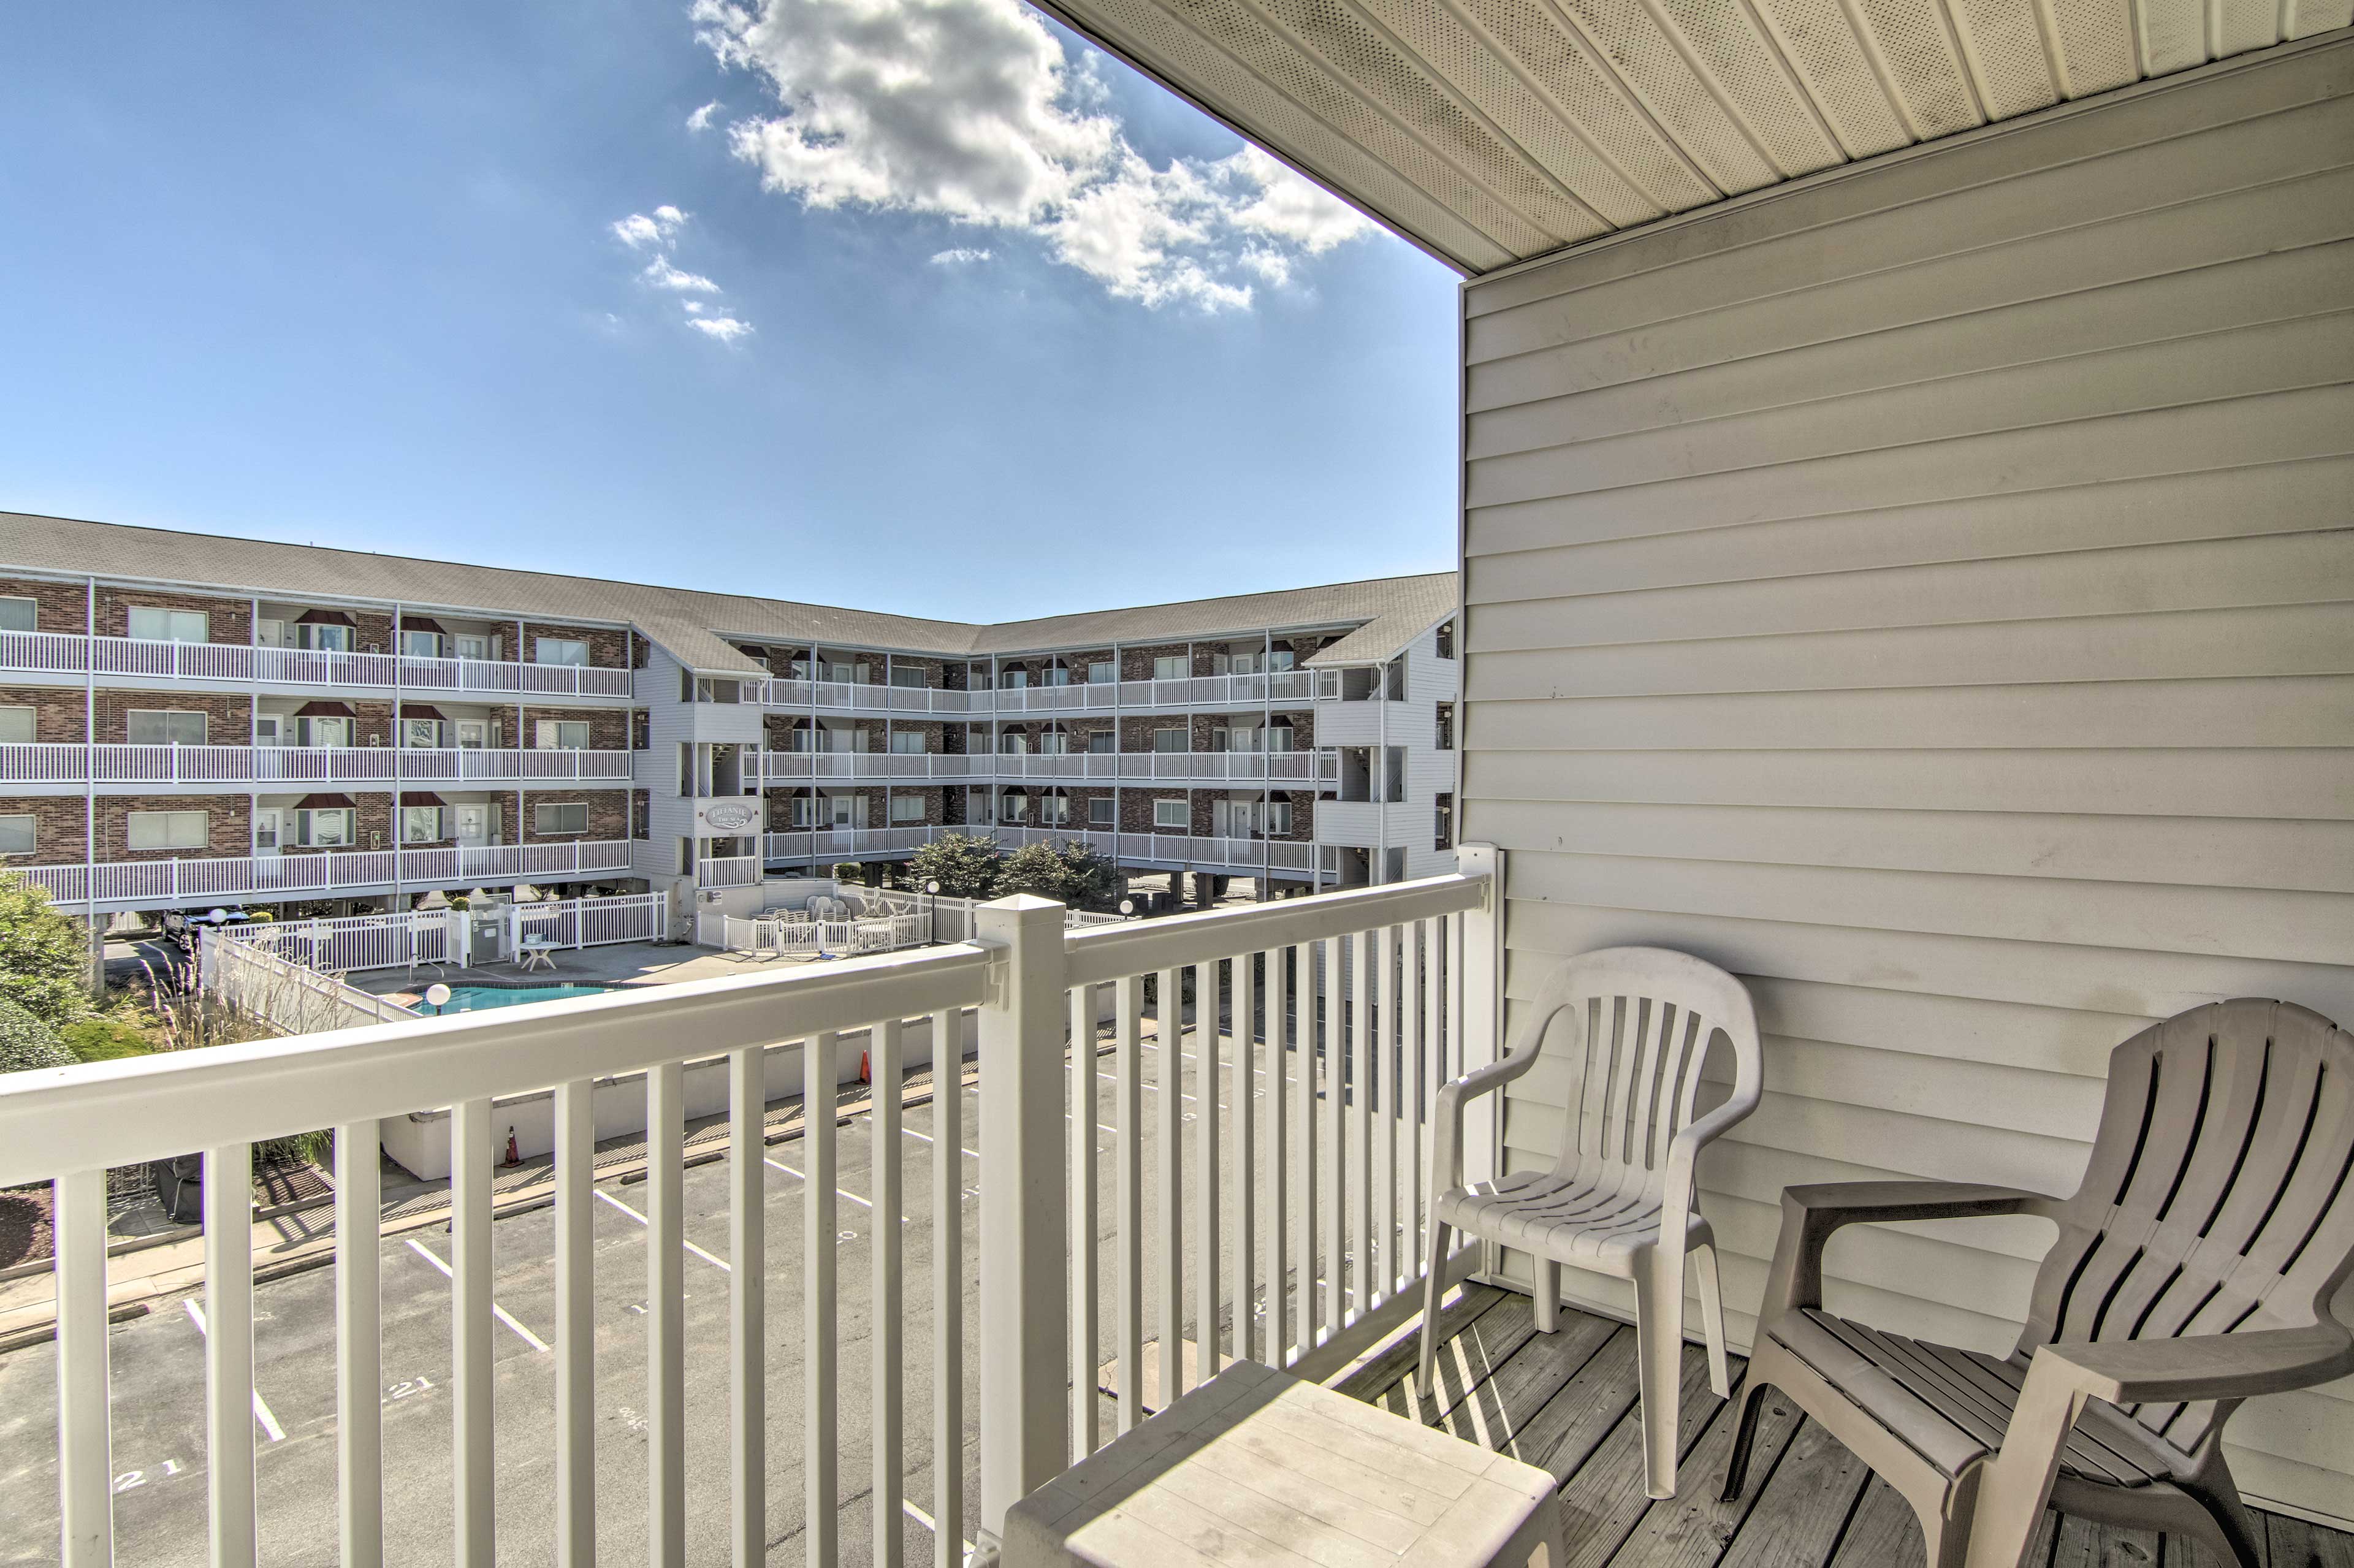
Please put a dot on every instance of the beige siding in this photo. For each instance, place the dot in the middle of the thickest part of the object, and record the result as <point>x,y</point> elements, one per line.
<point>1929,593</point>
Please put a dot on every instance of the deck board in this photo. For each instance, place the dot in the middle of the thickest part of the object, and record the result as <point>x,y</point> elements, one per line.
<point>1567,1401</point>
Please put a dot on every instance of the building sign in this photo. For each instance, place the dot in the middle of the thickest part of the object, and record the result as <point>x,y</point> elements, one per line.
<point>730,816</point>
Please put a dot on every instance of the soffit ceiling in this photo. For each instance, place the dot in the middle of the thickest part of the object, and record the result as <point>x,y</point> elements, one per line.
<point>1491,130</point>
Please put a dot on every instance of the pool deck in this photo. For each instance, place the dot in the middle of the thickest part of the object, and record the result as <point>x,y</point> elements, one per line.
<point>622,964</point>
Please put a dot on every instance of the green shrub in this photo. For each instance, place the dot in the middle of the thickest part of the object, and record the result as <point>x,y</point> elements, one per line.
<point>27,1042</point>
<point>106,1040</point>
<point>44,956</point>
<point>964,865</point>
<point>1066,870</point>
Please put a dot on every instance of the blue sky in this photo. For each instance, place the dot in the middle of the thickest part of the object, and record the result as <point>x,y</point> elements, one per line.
<point>352,275</point>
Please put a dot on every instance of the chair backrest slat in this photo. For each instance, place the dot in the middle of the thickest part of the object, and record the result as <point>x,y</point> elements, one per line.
<point>1643,1021</point>
<point>2217,1197</point>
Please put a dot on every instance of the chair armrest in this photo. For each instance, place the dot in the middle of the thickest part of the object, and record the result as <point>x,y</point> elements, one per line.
<point>1684,1155</point>
<point>2018,1478</point>
<point>2204,1366</point>
<point>1811,1214</point>
<point>1447,1150</point>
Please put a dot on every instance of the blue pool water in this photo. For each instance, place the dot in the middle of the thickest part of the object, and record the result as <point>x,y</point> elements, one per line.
<point>474,997</point>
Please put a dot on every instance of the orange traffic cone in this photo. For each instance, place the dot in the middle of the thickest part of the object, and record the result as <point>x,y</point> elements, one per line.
<point>865,1069</point>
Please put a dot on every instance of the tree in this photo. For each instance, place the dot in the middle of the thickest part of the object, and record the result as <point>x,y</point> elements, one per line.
<point>965,866</point>
<point>1068,872</point>
<point>44,956</point>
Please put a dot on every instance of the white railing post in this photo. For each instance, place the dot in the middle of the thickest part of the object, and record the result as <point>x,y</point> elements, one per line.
<point>1482,984</point>
<point>1024,1242</point>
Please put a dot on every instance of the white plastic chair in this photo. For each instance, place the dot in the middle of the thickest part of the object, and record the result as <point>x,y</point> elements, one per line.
<point>1641,1022</point>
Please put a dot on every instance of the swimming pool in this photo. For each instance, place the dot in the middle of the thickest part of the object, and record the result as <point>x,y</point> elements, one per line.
<point>475,998</point>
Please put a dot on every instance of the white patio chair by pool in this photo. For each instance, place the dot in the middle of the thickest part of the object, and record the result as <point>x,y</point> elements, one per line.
<point>1619,1200</point>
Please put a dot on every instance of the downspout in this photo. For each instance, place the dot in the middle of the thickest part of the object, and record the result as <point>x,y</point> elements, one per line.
<point>400,717</point>
<point>89,780</point>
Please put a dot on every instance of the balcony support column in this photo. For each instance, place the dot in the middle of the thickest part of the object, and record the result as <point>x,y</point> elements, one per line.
<point>1482,953</point>
<point>1024,1222</point>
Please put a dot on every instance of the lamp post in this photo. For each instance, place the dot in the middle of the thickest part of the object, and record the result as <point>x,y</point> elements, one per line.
<point>932,913</point>
<point>437,995</point>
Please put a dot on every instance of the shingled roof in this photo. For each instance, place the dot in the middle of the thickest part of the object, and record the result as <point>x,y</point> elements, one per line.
<point>694,626</point>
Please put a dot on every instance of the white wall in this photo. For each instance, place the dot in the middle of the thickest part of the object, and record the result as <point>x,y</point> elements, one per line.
<point>1924,591</point>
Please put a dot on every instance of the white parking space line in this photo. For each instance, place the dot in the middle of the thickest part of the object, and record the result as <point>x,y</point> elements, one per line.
<point>715,1263</point>
<point>920,1516</point>
<point>911,1132</point>
<point>269,1426</point>
<point>1148,1088</point>
<point>839,1192</point>
<point>501,1313</point>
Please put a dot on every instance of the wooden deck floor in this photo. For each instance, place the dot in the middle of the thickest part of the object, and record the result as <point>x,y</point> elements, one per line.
<point>1566,1402</point>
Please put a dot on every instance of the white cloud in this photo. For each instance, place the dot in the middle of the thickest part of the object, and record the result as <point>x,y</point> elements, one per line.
<point>663,275</point>
<point>727,329</point>
<point>659,231</point>
<point>969,110</point>
<point>658,228</point>
<point>700,121</point>
<point>963,256</point>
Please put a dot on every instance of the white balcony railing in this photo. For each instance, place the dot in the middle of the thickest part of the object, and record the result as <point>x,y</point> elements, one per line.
<point>166,882</point>
<point>1169,849</point>
<point>1283,687</point>
<point>58,652</point>
<point>1211,767</point>
<point>1284,1222</point>
<point>727,871</point>
<point>119,764</point>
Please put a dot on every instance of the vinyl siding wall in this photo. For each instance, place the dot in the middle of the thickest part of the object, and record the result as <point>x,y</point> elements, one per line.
<point>1926,592</point>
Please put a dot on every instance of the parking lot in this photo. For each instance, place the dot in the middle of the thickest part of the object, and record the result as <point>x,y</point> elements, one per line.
<point>158,1375</point>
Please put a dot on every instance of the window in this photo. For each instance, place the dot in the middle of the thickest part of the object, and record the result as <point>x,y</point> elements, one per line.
<point>423,824</point>
<point>1279,736</point>
<point>1054,811</point>
<point>1279,818</point>
<point>1446,639</point>
<point>561,816</point>
<point>1280,660</point>
<point>1055,743</point>
<point>472,734</point>
<point>475,647</point>
<point>907,742</point>
<point>1101,671</point>
<point>1447,726</point>
<point>18,615</point>
<point>164,726</point>
<point>560,734</point>
<point>1102,742</point>
<point>1013,807</point>
<point>170,625</point>
<point>1015,680</point>
<point>1170,814</point>
<point>324,731</point>
<point>16,725</point>
<point>1444,828</point>
<point>1172,739</point>
<point>1013,742</point>
<point>325,827</point>
<point>320,636</point>
<point>169,830</point>
<point>910,675</point>
<point>560,651</point>
<point>907,808</point>
<point>421,645</point>
<point>1102,811</point>
<point>1169,667</point>
<point>16,835</point>
<point>804,812</point>
<point>421,732</point>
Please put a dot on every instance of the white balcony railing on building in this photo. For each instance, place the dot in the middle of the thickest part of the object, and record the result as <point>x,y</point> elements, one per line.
<point>56,652</point>
<point>1308,1235</point>
<point>727,871</point>
<point>119,764</point>
<point>1213,767</point>
<point>1168,848</point>
<point>1282,686</point>
<point>166,882</point>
